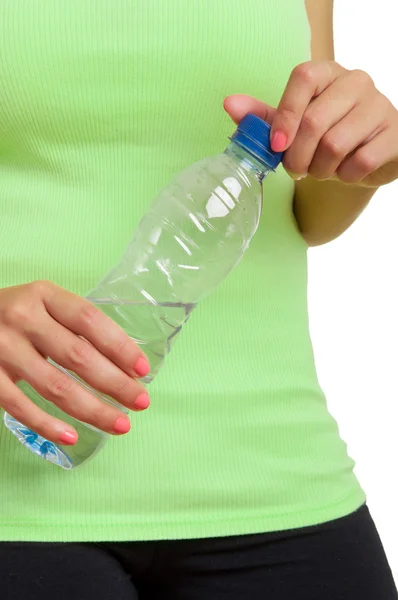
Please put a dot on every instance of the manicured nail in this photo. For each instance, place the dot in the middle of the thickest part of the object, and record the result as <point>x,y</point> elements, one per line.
<point>298,176</point>
<point>278,141</point>
<point>142,367</point>
<point>122,425</point>
<point>68,438</point>
<point>142,401</point>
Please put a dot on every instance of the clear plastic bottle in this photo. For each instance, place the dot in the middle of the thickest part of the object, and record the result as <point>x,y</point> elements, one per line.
<point>195,232</point>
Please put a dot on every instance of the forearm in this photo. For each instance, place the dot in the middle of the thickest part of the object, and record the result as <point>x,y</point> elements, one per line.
<point>325,209</point>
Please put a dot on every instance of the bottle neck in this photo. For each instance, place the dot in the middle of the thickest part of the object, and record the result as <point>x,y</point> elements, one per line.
<point>247,161</point>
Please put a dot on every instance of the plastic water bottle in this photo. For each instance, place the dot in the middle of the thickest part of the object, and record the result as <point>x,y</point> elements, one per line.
<point>195,232</point>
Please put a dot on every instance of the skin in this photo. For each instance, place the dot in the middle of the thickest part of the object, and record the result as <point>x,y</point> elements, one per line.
<point>41,319</point>
<point>338,131</point>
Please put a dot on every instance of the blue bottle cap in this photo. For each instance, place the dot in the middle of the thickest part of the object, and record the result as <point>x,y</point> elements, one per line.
<point>253,134</point>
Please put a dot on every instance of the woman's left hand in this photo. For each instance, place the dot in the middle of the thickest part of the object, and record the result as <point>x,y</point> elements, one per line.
<point>333,124</point>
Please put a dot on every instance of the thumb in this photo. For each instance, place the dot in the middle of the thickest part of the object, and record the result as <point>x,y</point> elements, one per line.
<point>239,105</point>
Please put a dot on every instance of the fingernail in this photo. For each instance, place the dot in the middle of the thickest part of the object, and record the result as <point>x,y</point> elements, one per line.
<point>68,438</point>
<point>142,367</point>
<point>142,401</point>
<point>298,176</point>
<point>278,141</point>
<point>122,425</point>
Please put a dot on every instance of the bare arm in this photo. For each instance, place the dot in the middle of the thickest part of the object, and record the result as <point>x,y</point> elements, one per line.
<point>339,134</point>
<point>325,209</point>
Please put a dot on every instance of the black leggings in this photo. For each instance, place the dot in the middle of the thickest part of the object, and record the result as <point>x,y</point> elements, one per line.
<point>339,560</point>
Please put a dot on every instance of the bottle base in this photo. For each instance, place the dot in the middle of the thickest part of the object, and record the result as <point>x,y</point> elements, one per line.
<point>38,445</point>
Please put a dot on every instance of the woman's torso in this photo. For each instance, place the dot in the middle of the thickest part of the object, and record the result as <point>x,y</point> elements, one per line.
<point>100,104</point>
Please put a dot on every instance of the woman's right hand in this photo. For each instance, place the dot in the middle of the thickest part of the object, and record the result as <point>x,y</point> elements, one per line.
<point>40,320</point>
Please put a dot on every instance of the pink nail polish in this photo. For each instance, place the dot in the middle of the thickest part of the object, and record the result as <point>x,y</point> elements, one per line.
<point>68,438</point>
<point>142,367</point>
<point>122,425</point>
<point>142,401</point>
<point>278,141</point>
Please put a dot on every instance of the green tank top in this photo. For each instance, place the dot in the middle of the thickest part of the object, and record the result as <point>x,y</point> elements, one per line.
<point>101,102</point>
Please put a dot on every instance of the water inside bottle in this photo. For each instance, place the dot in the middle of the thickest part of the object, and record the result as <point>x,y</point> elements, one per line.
<point>154,327</point>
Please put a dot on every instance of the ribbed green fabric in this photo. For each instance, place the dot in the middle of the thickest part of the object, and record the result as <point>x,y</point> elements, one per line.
<point>101,102</point>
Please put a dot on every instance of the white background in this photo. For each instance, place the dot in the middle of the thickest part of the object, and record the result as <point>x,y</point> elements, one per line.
<point>353,292</point>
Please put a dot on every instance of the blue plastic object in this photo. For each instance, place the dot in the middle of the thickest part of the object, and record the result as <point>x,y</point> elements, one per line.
<point>253,134</point>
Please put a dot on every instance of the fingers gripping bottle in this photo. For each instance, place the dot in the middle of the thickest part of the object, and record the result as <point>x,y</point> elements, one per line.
<point>194,233</point>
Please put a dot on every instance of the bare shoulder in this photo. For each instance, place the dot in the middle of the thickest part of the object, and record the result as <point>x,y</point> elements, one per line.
<point>320,16</point>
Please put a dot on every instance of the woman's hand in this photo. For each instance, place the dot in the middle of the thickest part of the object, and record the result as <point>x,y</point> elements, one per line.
<point>40,319</point>
<point>332,123</point>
